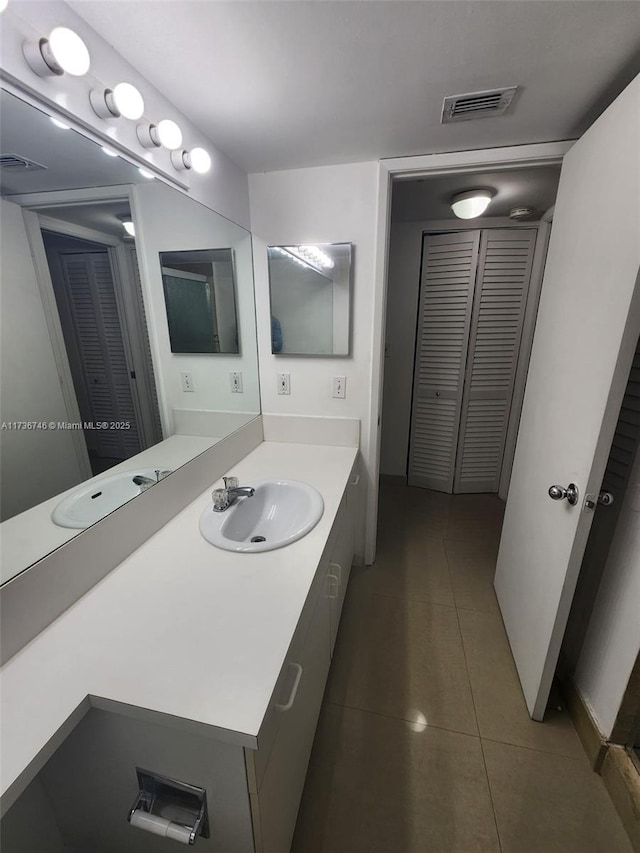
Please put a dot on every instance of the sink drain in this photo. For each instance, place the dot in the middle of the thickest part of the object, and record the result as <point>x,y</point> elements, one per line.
<point>258,538</point>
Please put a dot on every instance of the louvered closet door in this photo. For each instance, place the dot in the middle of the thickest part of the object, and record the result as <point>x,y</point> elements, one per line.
<point>504,271</point>
<point>98,333</point>
<point>448,273</point>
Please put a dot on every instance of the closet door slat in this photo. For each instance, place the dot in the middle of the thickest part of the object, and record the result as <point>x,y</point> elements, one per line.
<point>449,264</point>
<point>504,271</point>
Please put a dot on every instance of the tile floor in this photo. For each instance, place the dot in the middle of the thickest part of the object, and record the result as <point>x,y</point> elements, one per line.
<point>424,742</point>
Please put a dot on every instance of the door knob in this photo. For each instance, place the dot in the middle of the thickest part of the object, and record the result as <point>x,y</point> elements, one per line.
<point>559,493</point>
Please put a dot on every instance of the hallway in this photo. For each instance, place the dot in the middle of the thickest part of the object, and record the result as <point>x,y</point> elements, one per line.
<point>424,742</point>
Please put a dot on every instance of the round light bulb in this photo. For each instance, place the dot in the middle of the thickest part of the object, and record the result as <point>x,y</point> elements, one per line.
<point>169,134</point>
<point>200,160</point>
<point>69,51</point>
<point>129,227</point>
<point>128,101</point>
<point>3,5</point>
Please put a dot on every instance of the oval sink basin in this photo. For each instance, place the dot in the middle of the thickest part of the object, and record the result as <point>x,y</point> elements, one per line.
<point>92,501</point>
<point>280,512</point>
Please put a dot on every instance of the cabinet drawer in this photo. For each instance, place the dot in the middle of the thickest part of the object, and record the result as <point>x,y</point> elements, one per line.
<point>283,780</point>
<point>256,760</point>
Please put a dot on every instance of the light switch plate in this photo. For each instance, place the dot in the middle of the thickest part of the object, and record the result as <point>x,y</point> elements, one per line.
<point>187,382</point>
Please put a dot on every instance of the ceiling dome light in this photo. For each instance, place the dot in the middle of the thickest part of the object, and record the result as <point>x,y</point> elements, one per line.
<point>3,5</point>
<point>169,134</point>
<point>200,160</point>
<point>63,51</point>
<point>128,226</point>
<point>470,204</point>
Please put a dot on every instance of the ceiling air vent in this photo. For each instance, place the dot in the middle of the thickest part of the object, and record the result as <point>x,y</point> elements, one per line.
<point>15,163</point>
<point>494,102</point>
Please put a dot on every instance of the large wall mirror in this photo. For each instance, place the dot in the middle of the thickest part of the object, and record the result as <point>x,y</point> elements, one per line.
<point>97,404</point>
<point>310,292</point>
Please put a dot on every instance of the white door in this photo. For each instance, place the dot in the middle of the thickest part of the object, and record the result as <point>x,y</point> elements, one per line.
<point>587,327</point>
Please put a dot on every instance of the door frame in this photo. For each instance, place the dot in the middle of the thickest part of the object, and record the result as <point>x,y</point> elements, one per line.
<point>406,168</point>
<point>34,206</point>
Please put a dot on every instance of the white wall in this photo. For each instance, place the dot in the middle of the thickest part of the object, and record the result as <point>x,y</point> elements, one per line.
<point>612,641</point>
<point>328,204</point>
<point>223,189</point>
<point>405,253</point>
<point>168,221</point>
<point>36,464</point>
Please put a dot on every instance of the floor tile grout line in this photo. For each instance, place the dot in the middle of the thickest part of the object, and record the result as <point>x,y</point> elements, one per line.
<point>578,758</point>
<point>475,711</point>
<point>398,719</point>
<point>493,805</point>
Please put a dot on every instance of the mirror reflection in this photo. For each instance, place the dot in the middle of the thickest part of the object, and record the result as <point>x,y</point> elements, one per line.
<point>310,292</point>
<point>91,392</point>
<point>199,292</point>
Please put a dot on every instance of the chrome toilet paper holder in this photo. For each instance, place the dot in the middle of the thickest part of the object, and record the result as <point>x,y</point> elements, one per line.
<point>168,807</point>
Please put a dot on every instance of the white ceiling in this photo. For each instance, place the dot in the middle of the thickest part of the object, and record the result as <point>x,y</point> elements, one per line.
<point>430,198</point>
<point>295,83</point>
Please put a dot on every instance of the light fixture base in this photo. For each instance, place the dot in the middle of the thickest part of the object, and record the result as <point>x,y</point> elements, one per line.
<point>102,103</point>
<point>180,160</point>
<point>148,135</point>
<point>40,58</point>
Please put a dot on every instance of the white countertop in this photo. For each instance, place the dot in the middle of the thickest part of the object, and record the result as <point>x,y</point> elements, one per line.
<point>180,628</point>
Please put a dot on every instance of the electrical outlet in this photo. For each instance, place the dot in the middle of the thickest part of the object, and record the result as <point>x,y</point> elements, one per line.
<point>187,382</point>
<point>284,383</point>
<point>236,381</point>
<point>340,387</point>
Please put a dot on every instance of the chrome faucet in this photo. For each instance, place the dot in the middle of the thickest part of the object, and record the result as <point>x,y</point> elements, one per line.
<point>146,482</point>
<point>224,498</point>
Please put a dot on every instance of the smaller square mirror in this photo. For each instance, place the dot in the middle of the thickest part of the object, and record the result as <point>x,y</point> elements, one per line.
<point>200,297</point>
<point>310,290</point>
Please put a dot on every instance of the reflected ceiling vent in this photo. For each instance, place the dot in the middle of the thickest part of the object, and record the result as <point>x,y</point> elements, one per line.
<point>494,102</point>
<point>15,163</point>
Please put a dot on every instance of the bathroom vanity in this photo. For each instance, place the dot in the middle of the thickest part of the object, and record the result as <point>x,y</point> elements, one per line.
<point>202,665</point>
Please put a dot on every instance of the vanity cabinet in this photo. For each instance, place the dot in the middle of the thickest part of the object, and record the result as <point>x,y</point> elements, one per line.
<point>276,771</point>
<point>89,783</point>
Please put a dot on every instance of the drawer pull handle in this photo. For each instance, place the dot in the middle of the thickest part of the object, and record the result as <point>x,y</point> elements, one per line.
<point>355,480</point>
<point>294,689</point>
<point>334,585</point>
<point>338,571</point>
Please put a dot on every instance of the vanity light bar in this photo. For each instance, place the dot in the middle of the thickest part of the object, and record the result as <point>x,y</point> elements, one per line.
<point>63,51</point>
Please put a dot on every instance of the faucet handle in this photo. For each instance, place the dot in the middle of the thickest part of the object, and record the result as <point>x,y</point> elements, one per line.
<point>231,482</point>
<point>220,498</point>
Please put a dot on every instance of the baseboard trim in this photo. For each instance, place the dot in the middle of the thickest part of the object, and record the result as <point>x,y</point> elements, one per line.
<point>612,762</point>
<point>621,777</point>
<point>593,742</point>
